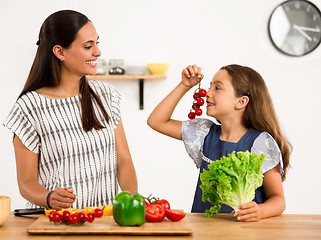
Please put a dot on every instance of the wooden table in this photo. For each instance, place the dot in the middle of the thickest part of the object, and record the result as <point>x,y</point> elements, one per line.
<point>221,226</point>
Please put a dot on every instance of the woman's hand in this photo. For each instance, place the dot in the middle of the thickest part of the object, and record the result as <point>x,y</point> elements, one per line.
<point>191,76</point>
<point>248,212</point>
<point>62,198</point>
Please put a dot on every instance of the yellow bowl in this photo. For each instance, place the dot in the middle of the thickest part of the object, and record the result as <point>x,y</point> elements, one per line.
<point>4,209</point>
<point>157,68</point>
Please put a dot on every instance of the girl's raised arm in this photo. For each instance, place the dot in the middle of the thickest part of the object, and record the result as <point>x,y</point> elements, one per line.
<point>160,119</point>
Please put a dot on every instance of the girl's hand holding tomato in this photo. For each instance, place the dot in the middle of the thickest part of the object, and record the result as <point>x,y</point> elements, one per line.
<point>191,76</point>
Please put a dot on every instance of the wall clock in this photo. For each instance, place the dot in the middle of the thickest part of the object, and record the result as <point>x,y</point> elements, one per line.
<point>295,27</point>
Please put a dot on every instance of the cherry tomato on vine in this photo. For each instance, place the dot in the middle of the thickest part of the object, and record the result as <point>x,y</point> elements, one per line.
<point>74,218</point>
<point>175,215</point>
<point>164,203</point>
<point>50,214</point>
<point>54,216</point>
<point>198,112</point>
<point>90,217</point>
<point>98,213</point>
<point>202,93</point>
<point>82,217</point>
<point>198,95</point>
<point>200,102</point>
<point>191,115</point>
<point>65,216</point>
<point>154,213</point>
<point>146,203</point>
<point>195,96</point>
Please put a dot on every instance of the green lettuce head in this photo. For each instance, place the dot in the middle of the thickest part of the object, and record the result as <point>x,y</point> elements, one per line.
<point>232,180</point>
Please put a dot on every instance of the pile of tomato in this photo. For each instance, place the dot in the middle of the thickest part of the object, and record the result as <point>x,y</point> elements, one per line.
<point>156,210</point>
<point>68,217</point>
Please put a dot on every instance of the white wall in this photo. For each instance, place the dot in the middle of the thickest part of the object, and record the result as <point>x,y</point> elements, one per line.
<point>210,33</point>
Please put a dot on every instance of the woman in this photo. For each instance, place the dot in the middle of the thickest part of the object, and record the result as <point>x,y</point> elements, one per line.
<point>69,140</point>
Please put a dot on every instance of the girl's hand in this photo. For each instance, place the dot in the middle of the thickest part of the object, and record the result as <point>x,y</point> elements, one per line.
<point>62,198</point>
<point>248,212</point>
<point>191,76</point>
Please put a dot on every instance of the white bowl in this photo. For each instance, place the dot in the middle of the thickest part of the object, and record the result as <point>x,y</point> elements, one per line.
<point>136,70</point>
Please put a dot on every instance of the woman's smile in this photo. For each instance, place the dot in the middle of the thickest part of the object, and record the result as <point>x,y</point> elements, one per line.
<point>92,63</point>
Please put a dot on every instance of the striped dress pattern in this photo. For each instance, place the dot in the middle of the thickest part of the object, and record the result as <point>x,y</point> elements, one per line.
<point>69,156</point>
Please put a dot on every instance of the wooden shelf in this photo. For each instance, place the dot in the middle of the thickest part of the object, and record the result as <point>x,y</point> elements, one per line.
<point>126,77</point>
<point>140,78</point>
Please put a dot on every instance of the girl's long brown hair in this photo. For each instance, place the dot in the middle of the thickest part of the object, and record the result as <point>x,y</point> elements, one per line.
<point>61,28</point>
<point>259,112</point>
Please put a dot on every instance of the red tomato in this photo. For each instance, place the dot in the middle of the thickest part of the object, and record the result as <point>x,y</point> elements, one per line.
<point>50,215</point>
<point>202,93</point>
<point>198,112</point>
<point>90,217</point>
<point>191,115</point>
<point>65,216</point>
<point>146,203</point>
<point>194,106</point>
<point>55,216</point>
<point>155,213</point>
<point>98,213</point>
<point>200,102</point>
<point>82,217</point>
<point>74,218</point>
<point>195,96</point>
<point>174,215</point>
<point>164,203</point>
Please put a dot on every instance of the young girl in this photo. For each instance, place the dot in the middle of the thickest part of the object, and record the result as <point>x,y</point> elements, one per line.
<point>69,141</point>
<point>239,100</point>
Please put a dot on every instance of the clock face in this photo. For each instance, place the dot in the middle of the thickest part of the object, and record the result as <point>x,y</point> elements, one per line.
<point>295,27</point>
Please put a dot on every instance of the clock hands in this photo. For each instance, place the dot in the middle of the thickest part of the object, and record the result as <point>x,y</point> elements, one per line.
<point>301,30</point>
<point>307,28</point>
<point>303,33</point>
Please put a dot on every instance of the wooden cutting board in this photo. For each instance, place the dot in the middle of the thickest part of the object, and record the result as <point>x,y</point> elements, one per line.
<point>107,225</point>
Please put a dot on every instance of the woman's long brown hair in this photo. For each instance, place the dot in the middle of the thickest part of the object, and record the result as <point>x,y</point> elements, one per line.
<point>259,112</point>
<point>61,28</point>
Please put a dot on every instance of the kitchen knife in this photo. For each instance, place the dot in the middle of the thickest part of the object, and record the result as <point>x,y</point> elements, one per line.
<point>30,211</point>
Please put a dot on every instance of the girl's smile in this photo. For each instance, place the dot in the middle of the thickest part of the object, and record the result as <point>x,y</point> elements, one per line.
<point>209,104</point>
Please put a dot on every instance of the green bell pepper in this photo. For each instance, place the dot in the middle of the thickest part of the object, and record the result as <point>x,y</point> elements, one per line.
<point>129,210</point>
